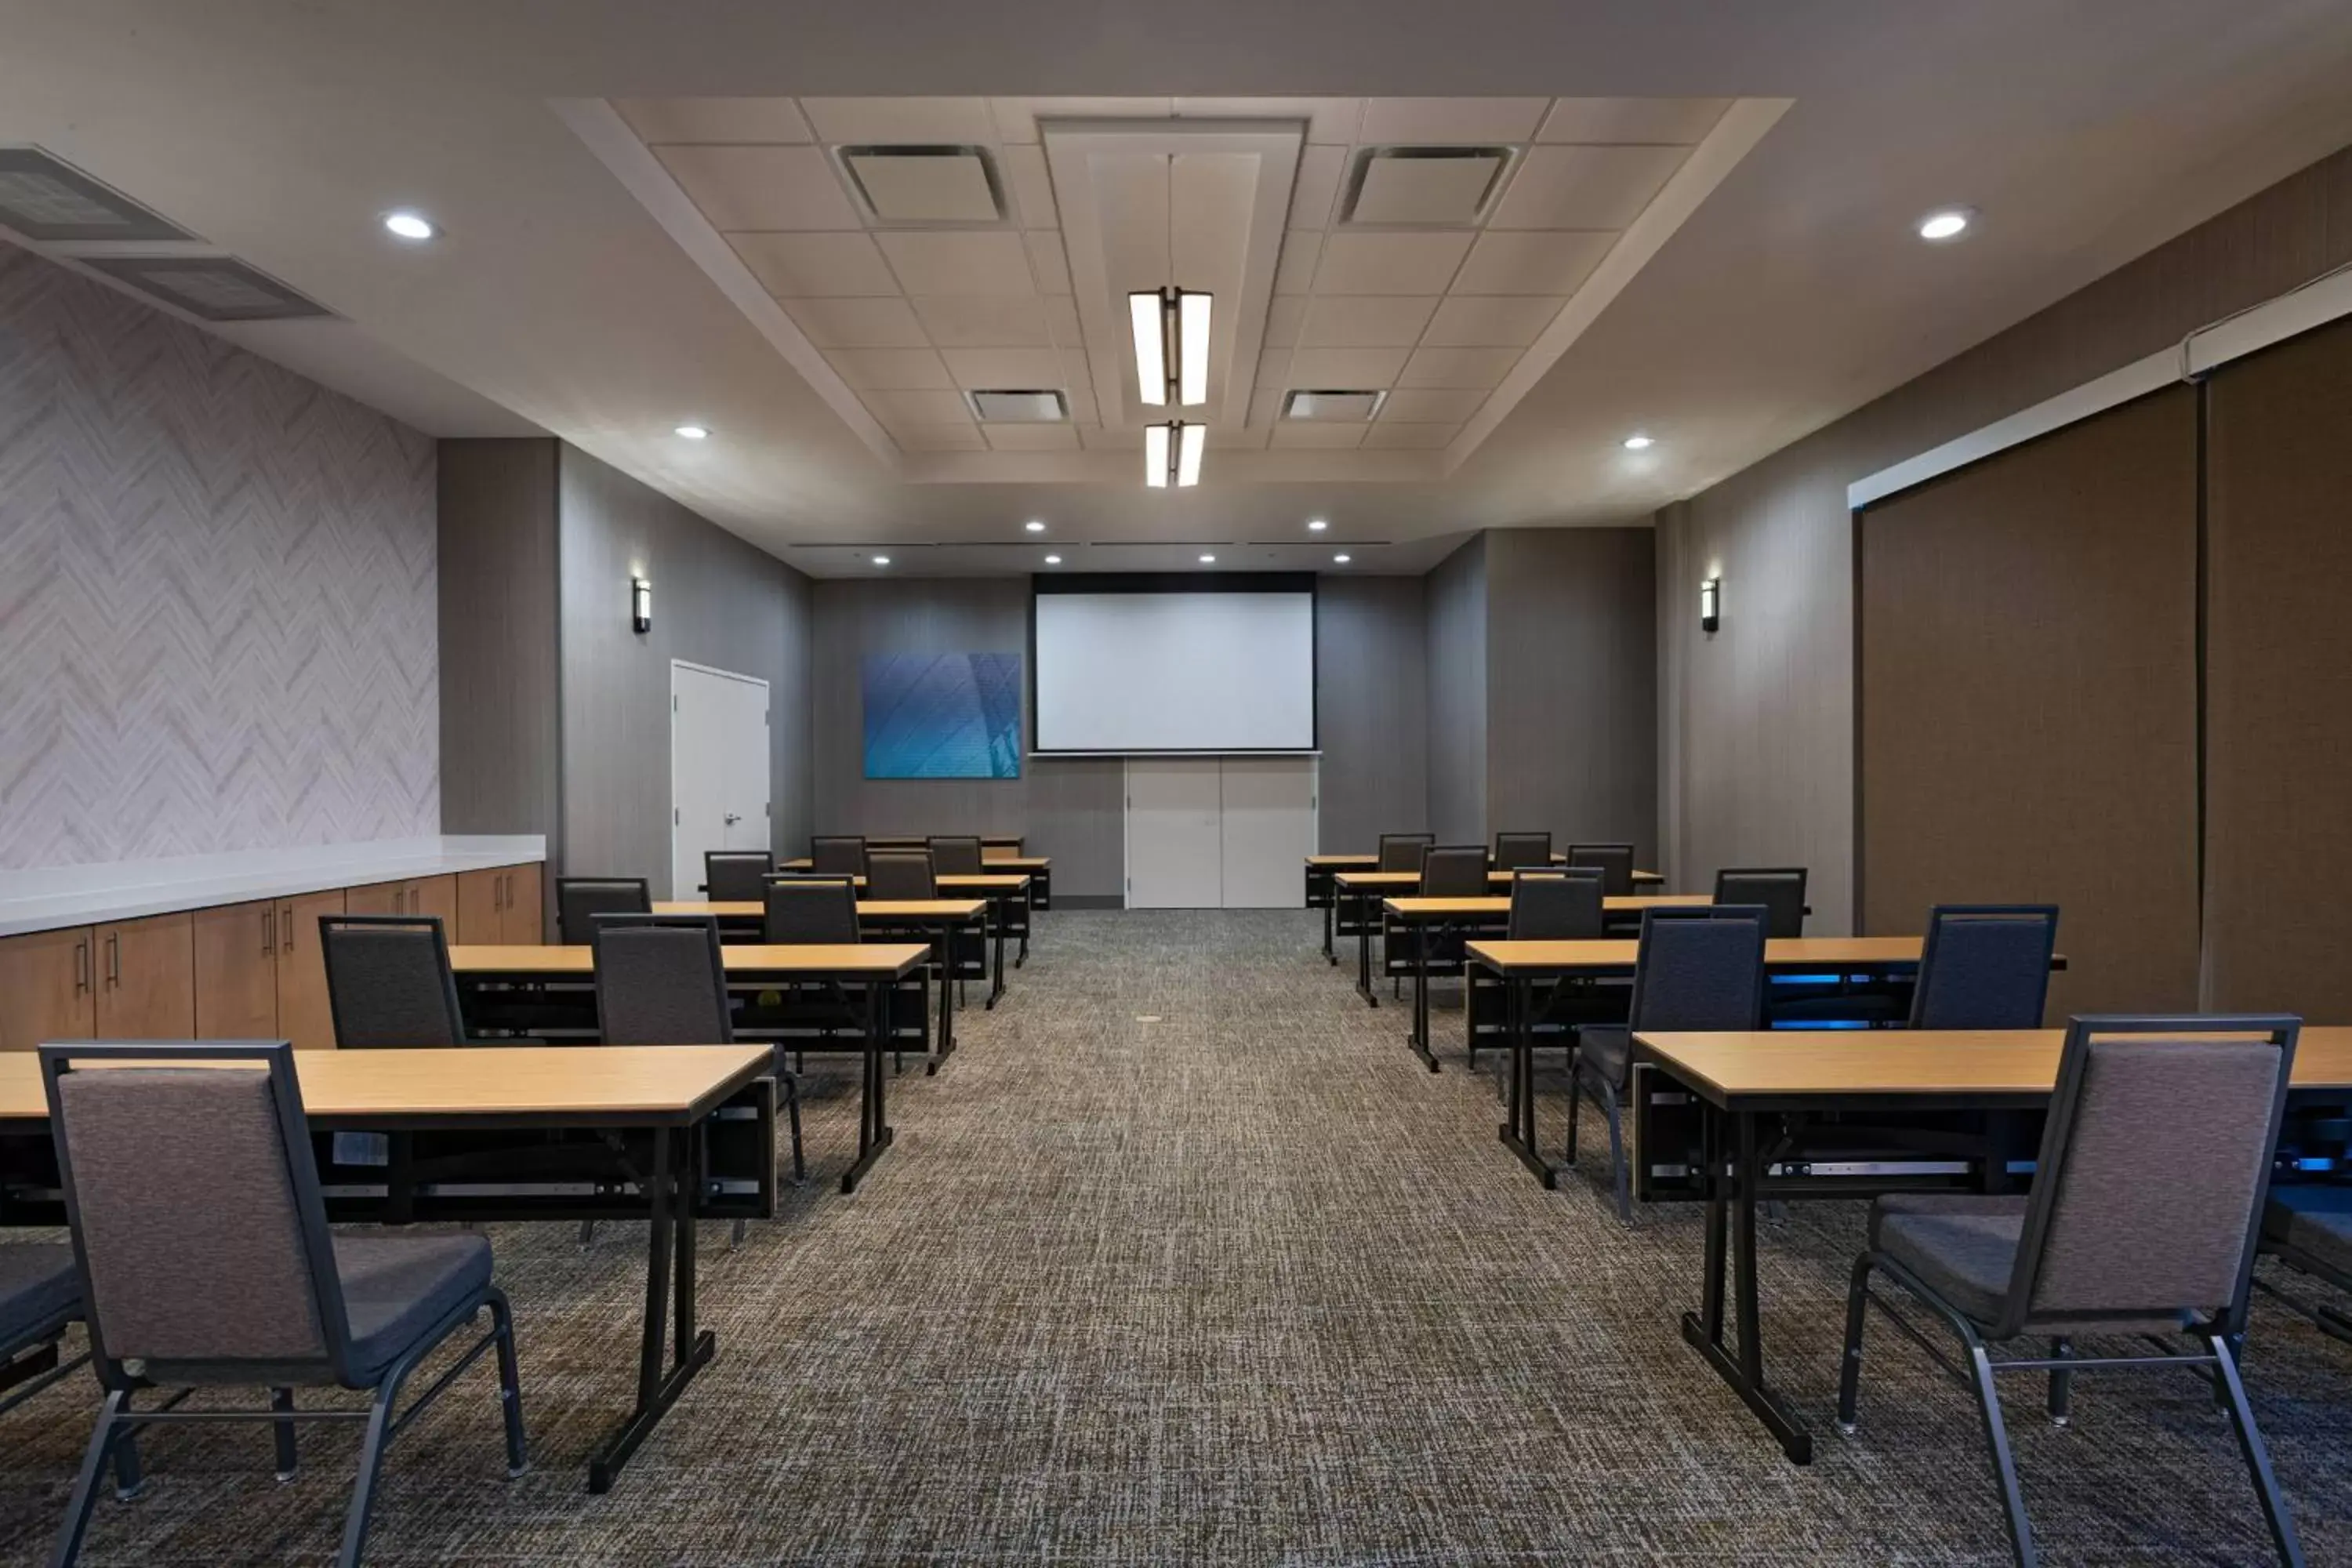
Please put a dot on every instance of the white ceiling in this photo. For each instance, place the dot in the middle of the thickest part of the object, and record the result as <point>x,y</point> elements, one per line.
<point>558,300</point>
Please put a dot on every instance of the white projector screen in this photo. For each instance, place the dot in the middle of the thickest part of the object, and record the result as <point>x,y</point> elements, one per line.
<point>1200,670</point>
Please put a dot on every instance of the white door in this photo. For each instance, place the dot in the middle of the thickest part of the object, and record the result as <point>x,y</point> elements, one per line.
<point>1269,828</point>
<point>718,768</point>
<point>1173,857</point>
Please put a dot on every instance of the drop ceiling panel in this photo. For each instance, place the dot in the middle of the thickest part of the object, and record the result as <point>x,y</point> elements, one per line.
<point>792,266</point>
<point>1320,170</point>
<point>1532,261</point>
<point>1104,439</point>
<point>1431,405</point>
<point>905,120</point>
<point>741,119</point>
<point>1585,187</point>
<point>924,188</point>
<point>857,323</point>
<point>1062,320</point>
<point>985,321</point>
<point>1004,368</point>
<point>958,261</point>
<point>762,187</point>
<point>891,370</point>
<point>1016,118</point>
<point>1297,435</point>
<point>1355,261</point>
<point>1345,367</point>
<point>1428,120</point>
<point>1487,321</point>
<point>1032,187</point>
<point>1283,318</point>
<point>1030,437</point>
<point>909,407</point>
<point>1407,190</point>
<point>1482,369</point>
<point>1049,264</point>
<point>1295,274</point>
<point>1387,434</point>
<point>1680,120</point>
<point>1365,320</point>
<point>963,437</point>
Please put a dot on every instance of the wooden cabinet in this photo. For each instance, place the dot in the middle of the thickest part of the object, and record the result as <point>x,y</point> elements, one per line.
<point>416,896</point>
<point>47,985</point>
<point>304,1013</point>
<point>499,905</point>
<point>237,972</point>
<point>524,918</point>
<point>376,899</point>
<point>146,979</point>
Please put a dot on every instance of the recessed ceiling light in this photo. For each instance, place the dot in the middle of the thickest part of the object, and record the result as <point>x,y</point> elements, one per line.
<point>1033,526</point>
<point>1052,561</point>
<point>1639,443</point>
<point>695,432</point>
<point>410,226</point>
<point>881,560</point>
<point>1339,560</point>
<point>1208,561</point>
<point>1948,224</point>
<point>1316,525</point>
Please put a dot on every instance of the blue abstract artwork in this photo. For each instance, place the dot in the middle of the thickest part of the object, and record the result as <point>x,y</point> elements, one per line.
<point>942,715</point>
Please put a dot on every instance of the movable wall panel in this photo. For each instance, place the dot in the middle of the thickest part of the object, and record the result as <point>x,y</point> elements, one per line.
<point>2028,704</point>
<point>2278,738</point>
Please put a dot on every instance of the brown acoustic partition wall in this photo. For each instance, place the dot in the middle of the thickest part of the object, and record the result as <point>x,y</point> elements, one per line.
<point>2027,655</point>
<point>2278,680</point>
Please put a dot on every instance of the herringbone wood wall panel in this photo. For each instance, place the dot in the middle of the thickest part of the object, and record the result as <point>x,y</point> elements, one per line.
<point>217,611</point>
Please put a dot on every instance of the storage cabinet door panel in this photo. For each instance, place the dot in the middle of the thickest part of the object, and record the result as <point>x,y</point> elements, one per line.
<point>237,972</point>
<point>480,895</point>
<point>46,979</point>
<point>524,918</point>
<point>435,896</point>
<point>376,899</point>
<point>147,979</point>
<point>304,1014</point>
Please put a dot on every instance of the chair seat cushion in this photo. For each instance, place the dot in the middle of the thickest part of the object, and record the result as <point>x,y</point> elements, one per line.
<point>2314,1220</point>
<point>1960,1245</point>
<point>38,1285</point>
<point>395,1288</point>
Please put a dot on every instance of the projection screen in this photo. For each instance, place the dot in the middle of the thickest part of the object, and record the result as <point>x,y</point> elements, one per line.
<point>1155,665</point>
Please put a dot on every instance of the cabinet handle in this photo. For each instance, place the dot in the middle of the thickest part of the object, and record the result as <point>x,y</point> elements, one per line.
<point>114,958</point>
<point>81,965</point>
<point>400,902</point>
<point>498,892</point>
<point>287,933</point>
<point>269,931</point>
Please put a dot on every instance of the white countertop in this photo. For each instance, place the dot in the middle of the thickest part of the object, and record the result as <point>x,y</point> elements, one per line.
<point>57,896</point>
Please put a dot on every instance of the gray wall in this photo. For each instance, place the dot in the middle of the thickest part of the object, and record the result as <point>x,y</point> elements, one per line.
<point>1371,701</point>
<point>1457,642</point>
<point>719,602</point>
<point>1072,809</point>
<point>1571,689</point>
<point>1758,724</point>
<point>500,684</point>
<point>217,614</point>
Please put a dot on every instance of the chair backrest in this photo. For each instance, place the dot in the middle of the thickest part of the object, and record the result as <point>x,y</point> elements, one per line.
<point>1513,850</point>
<point>1779,889</point>
<point>580,900</point>
<point>1455,872</point>
<point>197,1223</point>
<point>815,910</point>
<point>661,981</point>
<point>388,981</point>
<point>837,854</point>
<point>1616,863</point>
<point>2155,1162</point>
<point>1557,906</point>
<point>1402,851</point>
<point>1985,966</point>
<point>1700,969</point>
<point>956,858</point>
<point>900,874</point>
<point>735,876</point>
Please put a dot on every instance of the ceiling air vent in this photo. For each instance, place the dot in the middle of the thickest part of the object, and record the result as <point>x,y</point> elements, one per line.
<point>1006,408</point>
<point>926,185</point>
<point>210,288</point>
<point>1425,186</point>
<point>1332,407</point>
<point>44,199</point>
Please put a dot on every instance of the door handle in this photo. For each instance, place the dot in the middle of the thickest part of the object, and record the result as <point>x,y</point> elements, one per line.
<point>114,958</point>
<point>733,817</point>
<point>269,931</point>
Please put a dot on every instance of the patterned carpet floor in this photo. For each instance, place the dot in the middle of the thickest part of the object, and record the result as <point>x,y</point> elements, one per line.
<point>1185,1258</point>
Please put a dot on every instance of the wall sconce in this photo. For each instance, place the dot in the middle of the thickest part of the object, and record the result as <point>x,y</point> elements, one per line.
<point>641,604</point>
<point>1710,605</point>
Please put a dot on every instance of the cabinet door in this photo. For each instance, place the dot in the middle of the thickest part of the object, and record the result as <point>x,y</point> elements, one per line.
<point>376,899</point>
<point>481,898</point>
<point>147,979</point>
<point>304,1014</point>
<point>47,981</point>
<point>237,972</point>
<point>523,920</point>
<point>435,896</point>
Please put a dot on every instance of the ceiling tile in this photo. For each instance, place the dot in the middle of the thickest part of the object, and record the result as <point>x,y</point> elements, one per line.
<point>902,120</point>
<point>857,323</point>
<point>1366,320</point>
<point>1532,261</point>
<point>1033,189</point>
<point>762,187</point>
<point>1585,187</point>
<point>909,406</point>
<point>1361,262</point>
<point>1326,437</point>
<point>795,265</point>
<point>1061,321</point>
<point>1226,438</point>
<point>1487,321</point>
<point>1483,369</point>
<point>1005,369</point>
<point>1681,120</point>
<point>1329,121</point>
<point>1295,272</point>
<point>1129,439</point>
<point>1030,437</point>
<point>963,437</point>
<point>1273,368</point>
<point>1316,191</point>
<point>1283,318</point>
<point>1016,118</point>
<point>1415,438</point>
<point>1440,120</point>
<point>985,321</point>
<point>1049,264</point>
<point>1265,406</point>
<point>958,261</point>
<point>753,119</point>
<point>891,370</point>
<point>1344,369</point>
<point>1431,405</point>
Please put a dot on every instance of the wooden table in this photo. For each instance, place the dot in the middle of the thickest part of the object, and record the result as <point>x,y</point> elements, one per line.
<point>1039,868</point>
<point>1742,1078</point>
<point>1322,892</point>
<point>1006,891</point>
<point>670,1090</point>
<point>942,915</point>
<point>1358,885</point>
<point>874,966</point>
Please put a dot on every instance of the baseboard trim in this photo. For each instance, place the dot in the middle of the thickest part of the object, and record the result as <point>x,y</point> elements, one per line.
<point>1063,900</point>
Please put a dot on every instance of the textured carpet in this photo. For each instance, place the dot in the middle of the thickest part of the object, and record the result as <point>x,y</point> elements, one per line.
<point>1244,1284</point>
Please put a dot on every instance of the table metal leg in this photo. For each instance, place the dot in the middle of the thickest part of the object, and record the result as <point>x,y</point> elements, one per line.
<point>1419,1038</point>
<point>669,1266</point>
<point>1731,1205</point>
<point>1518,1133</point>
<point>996,919</point>
<point>947,1008</point>
<point>1029,911</point>
<point>1363,956</point>
<point>873,1126</point>
<point>1330,907</point>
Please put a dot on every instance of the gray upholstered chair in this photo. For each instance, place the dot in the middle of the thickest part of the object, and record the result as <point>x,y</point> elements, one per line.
<point>2142,1222</point>
<point>957,857</point>
<point>1780,889</point>
<point>900,874</point>
<point>40,1298</point>
<point>1514,850</point>
<point>735,875</point>
<point>389,982</point>
<point>1403,851</point>
<point>1453,871</point>
<point>1695,969</point>
<point>1565,905</point>
<point>580,900</point>
<point>1616,863</point>
<point>810,909</point>
<point>837,854</point>
<point>205,1259</point>
<point>1562,904</point>
<point>2309,1230</point>
<point>1985,966</point>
